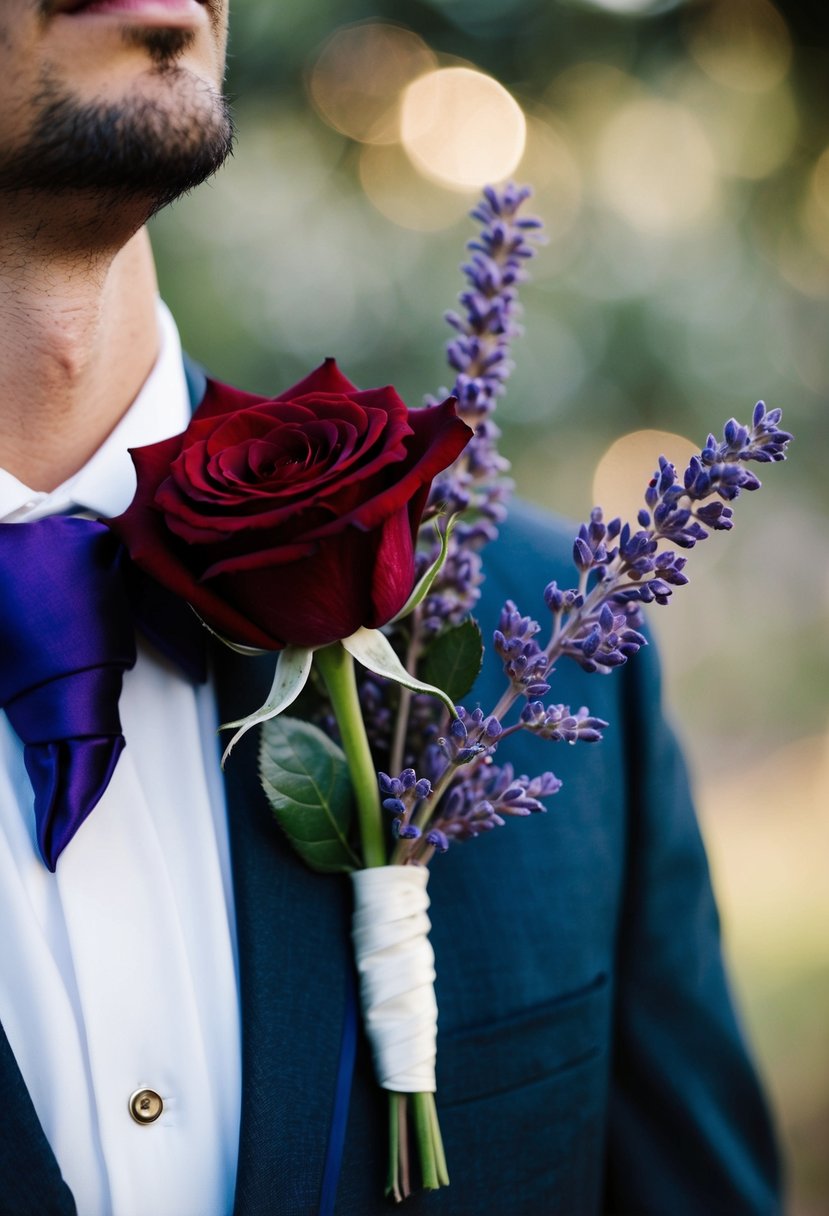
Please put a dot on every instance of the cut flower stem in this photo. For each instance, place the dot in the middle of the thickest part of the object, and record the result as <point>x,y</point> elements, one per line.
<point>336,666</point>
<point>337,669</point>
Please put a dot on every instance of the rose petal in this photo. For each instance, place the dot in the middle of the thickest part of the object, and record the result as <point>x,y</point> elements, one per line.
<point>260,559</point>
<point>327,378</point>
<point>141,527</point>
<point>394,569</point>
<point>438,438</point>
<point>313,601</point>
<point>223,399</point>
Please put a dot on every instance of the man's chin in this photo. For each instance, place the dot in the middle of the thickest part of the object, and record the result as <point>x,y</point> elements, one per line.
<point>165,135</point>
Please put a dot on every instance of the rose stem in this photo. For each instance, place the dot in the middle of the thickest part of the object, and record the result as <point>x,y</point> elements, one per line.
<point>405,1176</point>
<point>425,1140</point>
<point>437,1140</point>
<point>393,1183</point>
<point>337,668</point>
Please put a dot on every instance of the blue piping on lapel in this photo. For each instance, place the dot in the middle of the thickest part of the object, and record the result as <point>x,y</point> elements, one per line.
<point>342,1099</point>
<point>196,381</point>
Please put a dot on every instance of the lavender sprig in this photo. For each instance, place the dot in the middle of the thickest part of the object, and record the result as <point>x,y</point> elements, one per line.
<point>619,567</point>
<point>472,807</point>
<point>596,623</point>
<point>628,568</point>
<point>476,483</point>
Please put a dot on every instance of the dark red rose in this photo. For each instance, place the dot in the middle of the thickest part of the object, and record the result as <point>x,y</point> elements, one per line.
<point>291,520</point>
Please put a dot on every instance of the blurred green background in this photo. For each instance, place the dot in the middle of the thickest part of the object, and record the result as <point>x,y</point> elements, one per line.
<point>679,154</point>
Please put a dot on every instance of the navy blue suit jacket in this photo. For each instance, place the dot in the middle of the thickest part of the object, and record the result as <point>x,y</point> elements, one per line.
<point>589,1059</point>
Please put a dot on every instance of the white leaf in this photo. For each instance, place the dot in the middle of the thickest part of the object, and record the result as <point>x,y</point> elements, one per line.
<point>373,649</point>
<point>237,646</point>
<point>293,666</point>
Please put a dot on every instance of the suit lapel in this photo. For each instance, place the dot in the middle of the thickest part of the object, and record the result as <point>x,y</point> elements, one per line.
<point>294,956</point>
<point>30,1178</point>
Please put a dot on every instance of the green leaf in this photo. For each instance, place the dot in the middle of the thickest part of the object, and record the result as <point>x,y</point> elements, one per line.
<point>424,583</point>
<point>454,659</point>
<point>293,666</point>
<point>305,778</point>
<point>374,650</point>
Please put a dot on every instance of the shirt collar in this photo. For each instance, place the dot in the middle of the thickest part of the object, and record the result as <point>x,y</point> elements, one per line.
<point>106,483</point>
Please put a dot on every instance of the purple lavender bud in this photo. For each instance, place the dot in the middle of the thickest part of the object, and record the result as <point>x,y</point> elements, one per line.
<point>553,598</point>
<point>666,476</point>
<point>546,785</point>
<point>437,840</point>
<point>591,643</point>
<point>423,788</point>
<point>581,554</point>
<point>518,810</point>
<point>631,642</point>
<point>408,831</point>
<point>408,778</point>
<point>536,690</point>
<point>589,735</point>
<point>395,806</point>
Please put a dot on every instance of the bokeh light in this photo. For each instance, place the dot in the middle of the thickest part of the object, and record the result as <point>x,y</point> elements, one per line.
<point>751,134</point>
<point>797,263</point>
<point>550,163</point>
<point>743,44</point>
<point>359,74</point>
<point>655,166</point>
<point>405,196</point>
<point>816,204</point>
<point>462,128</point>
<point>628,464</point>
<point>588,94</point>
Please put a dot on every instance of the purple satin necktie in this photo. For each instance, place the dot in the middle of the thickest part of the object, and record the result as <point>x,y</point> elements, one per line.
<point>67,635</point>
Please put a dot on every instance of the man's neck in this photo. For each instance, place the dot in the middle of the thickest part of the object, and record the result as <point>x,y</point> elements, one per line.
<point>78,337</point>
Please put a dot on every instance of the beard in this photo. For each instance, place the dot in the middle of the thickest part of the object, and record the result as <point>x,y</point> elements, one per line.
<point>152,149</point>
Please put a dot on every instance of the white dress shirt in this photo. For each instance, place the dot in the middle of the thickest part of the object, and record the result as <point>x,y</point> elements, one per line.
<point>118,972</point>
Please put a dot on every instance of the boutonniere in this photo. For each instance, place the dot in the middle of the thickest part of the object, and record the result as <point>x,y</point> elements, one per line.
<point>343,531</point>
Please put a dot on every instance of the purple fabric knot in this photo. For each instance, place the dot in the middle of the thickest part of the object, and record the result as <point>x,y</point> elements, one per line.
<point>68,606</point>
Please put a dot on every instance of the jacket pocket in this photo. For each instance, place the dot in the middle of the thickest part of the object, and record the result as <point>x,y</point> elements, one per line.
<point>523,1106</point>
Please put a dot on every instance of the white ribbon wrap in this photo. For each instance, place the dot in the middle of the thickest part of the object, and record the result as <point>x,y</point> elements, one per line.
<point>390,931</point>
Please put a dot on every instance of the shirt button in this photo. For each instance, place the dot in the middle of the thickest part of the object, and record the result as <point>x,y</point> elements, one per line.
<point>145,1106</point>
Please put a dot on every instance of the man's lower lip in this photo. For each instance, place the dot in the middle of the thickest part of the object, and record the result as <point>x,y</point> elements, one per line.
<point>145,12</point>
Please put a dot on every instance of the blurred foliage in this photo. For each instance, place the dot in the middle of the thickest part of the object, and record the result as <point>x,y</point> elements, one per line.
<point>680,158</point>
